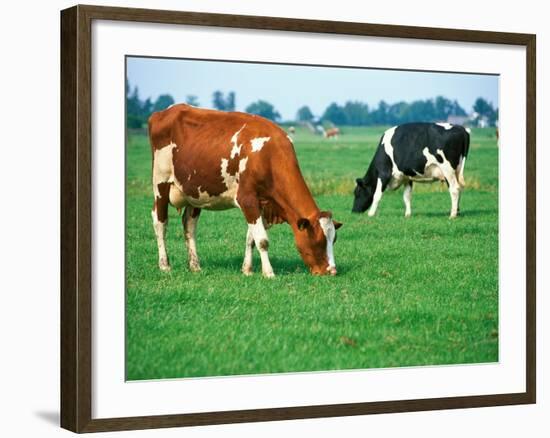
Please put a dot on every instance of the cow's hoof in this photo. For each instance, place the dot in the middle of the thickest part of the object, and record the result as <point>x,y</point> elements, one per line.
<point>247,271</point>
<point>269,274</point>
<point>194,268</point>
<point>165,268</point>
<point>407,215</point>
<point>453,216</point>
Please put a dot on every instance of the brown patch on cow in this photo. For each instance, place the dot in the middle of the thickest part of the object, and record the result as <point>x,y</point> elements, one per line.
<point>272,213</point>
<point>263,245</point>
<point>161,203</point>
<point>195,212</point>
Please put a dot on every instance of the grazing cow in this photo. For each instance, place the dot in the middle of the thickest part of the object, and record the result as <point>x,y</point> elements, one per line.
<point>415,152</point>
<point>206,159</point>
<point>332,133</point>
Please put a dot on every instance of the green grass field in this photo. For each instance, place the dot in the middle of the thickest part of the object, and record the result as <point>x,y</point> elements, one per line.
<point>418,291</point>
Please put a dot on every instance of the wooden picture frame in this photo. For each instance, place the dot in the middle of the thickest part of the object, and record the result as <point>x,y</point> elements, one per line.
<point>76,217</point>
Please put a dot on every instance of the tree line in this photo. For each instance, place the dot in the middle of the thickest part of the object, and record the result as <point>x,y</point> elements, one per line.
<point>351,113</point>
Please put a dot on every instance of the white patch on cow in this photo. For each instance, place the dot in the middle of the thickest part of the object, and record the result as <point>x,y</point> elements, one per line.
<point>376,198</point>
<point>160,233</point>
<point>258,143</point>
<point>388,147</point>
<point>407,197</point>
<point>445,125</point>
<point>242,165</point>
<point>228,198</point>
<point>249,247</point>
<point>163,167</point>
<point>190,227</point>
<point>432,171</point>
<point>454,187</point>
<point>177,197</point>
<point>236,149</point>
<point>290,139</point>
<point>257,230</point>
<point>460,171</point>
<point>468,130</point>
<point>397,177</point>
<point>330,233</point>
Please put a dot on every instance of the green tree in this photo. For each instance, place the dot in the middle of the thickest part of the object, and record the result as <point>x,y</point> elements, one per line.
<point>192,100</point>
<point>230,101</point>
<point>264,109</point>
<point>163,102</point>
<point>380,115</point>
<point>486,109</point>
<point>357,113</point>
<point>222,103</point>
<point>304,114</point>
<point>335,114</point>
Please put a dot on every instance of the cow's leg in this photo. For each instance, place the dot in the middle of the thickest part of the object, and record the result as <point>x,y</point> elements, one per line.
<point>252,212</point>
<point>247,263</point>
<point>160,221</point>
<point>376,197</point>
<point>407,197</point>
<point>454,191</point>
<point>190,218</point>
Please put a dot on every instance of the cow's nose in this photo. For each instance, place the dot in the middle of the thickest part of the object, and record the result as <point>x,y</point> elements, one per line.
<point>332,270</point>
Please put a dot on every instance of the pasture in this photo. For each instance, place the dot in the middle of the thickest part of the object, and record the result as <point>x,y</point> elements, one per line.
<point>409,292</point>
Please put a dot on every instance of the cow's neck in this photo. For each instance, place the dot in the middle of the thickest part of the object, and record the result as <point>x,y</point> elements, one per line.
<point>295,198</point>
<point>372,175</point>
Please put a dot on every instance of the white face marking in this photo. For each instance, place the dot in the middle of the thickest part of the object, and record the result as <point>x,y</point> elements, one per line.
<point>258,143</point>
<point>445,125</point>
<point>330,233</point>
<point>163,167</point>
<point>236,149</point>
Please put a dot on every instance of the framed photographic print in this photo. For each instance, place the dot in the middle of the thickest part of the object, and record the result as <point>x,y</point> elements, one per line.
<point>268,218</point>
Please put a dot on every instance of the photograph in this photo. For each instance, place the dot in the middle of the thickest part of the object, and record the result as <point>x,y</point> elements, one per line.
<point>285,218</point>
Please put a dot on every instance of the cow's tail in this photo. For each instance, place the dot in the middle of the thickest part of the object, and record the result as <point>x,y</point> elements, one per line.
<point>462,161</point>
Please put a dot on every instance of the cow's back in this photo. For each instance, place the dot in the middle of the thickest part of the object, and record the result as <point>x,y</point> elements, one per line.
<point>214,151</point>
<point>411,142</point>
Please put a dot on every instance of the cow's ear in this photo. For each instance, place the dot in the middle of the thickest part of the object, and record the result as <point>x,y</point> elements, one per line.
<point>303,223</point>
<point>360,182</point>
<point>337,224</point>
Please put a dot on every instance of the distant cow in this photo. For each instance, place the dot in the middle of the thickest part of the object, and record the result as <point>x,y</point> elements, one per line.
<point>332,133</point>
<point>291,130</point>
<point>218,160</point>
<point>415,152</point>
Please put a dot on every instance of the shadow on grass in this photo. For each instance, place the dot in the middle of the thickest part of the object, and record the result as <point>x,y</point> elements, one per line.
<point>281,267</point>
<point>463,213</point>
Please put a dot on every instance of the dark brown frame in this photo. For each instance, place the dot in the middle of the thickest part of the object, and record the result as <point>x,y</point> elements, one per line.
<point>76,218</point>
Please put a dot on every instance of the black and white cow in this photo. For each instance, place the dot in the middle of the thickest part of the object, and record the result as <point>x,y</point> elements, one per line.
<point>415,152</point>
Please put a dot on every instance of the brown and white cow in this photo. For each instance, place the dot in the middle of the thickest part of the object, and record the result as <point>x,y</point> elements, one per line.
<point>332,133</point>
<point>215,160</point>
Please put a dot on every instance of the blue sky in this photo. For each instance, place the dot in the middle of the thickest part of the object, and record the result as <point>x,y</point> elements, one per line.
<point>288,87</point>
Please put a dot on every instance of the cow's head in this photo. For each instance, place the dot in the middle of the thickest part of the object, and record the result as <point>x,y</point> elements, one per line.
<point>364,194</point>
<point>315,237</point>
